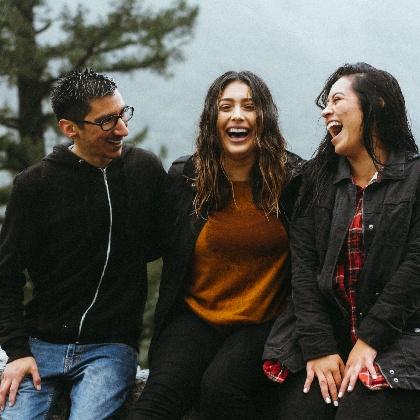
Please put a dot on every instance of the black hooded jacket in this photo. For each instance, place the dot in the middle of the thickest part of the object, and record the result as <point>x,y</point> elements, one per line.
<point>83,235</point>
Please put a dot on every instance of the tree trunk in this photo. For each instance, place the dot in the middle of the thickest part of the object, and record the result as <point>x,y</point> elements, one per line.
<point>31,90</point>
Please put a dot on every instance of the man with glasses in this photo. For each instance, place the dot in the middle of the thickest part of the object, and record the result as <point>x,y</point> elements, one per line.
<point>82,225</point>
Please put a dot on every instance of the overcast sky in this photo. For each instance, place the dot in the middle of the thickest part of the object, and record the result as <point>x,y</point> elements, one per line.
<point>292,44</point>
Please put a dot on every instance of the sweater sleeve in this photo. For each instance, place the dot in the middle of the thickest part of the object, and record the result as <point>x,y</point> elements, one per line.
<point>15,236</point>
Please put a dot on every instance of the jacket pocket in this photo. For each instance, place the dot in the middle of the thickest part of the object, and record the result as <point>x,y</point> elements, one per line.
<point>396,222</point>
<point>400,362</point>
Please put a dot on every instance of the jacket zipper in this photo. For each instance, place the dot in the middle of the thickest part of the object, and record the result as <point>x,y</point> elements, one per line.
<point>106,258</point>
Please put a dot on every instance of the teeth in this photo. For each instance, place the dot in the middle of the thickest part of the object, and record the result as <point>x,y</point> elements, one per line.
<point>238,130</point>
<point>334,128</point>
<point>333,124</point>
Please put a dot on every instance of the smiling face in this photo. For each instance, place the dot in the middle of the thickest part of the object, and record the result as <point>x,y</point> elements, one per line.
<point>344,119</point>
<point>91,143</point>
<point>237,122</point>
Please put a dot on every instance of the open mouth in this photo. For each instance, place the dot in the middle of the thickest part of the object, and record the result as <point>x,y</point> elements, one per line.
<point>334,128</point>
<point>115,141</point>
<point>237,133</point>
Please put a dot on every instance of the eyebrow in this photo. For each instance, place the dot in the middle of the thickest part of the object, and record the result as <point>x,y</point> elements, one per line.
<point>232,99</point>
<point>101,118</point>
<point>334,94</point>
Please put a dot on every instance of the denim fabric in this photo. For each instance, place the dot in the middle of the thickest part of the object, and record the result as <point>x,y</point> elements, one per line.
<point>99,375</point>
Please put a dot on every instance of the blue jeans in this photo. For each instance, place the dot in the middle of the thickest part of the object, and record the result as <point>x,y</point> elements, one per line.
<point>100,377</point>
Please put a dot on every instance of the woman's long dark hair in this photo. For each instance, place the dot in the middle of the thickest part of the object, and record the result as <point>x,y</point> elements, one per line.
<point>384,111</point>
<point>268,173</point>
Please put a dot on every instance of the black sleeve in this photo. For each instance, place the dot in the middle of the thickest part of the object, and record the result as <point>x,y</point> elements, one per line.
<point>313,324</point>
<point>173,187</point>
<point>154,245</point>
<point>17,237</point>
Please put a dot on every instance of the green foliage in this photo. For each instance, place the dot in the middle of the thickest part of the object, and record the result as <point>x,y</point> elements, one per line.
<point>4,194</point>
<point>154,270</point>
<point>129,37</point>
<point>137,138</point>
<point>17,155</point>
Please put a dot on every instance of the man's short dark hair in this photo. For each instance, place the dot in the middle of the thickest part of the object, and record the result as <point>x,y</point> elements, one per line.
<point>73,91</point>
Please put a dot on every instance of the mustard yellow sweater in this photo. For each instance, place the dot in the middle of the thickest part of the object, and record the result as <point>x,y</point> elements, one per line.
<point>239,264</point>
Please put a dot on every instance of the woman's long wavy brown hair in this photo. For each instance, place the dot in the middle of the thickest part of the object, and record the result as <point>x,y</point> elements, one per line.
<point>268,173</point>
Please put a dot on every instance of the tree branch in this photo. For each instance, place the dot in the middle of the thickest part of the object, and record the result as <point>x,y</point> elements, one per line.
<point>46,26</point>
<point>8,122</point>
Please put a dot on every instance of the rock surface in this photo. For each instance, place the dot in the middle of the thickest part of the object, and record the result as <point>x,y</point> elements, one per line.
<point>62,407</point>
<point>3,359</point>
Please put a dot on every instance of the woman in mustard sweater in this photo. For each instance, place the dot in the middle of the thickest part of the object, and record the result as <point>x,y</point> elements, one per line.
<point>226,260</point>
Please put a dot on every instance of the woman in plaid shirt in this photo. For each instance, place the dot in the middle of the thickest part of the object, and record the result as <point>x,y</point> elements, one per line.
<point>355,244</point>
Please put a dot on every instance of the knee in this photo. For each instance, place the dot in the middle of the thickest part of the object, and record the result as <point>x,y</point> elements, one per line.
<point>216,384</point>
<point>219,390</point>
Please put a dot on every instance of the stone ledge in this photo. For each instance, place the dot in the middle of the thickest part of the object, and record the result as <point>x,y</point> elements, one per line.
<point>141,378</point>
<point>61,409</point>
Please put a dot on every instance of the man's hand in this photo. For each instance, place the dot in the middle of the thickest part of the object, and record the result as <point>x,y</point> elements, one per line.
<point>13,375</point>
<point>329,371</point>
<point>361,356</point>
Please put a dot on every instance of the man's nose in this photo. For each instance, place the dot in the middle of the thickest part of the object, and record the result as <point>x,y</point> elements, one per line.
<point>121,128</point>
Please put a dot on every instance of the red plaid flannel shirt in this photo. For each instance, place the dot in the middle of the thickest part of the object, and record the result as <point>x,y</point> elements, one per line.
<point>347,275</point>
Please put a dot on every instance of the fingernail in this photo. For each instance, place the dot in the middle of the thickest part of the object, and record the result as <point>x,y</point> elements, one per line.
<point>349,388</point>
<point>305,390</point>
<point>340,394</point>
<point>328,400</point>
<point>336,403</point>
<point>38,387</point>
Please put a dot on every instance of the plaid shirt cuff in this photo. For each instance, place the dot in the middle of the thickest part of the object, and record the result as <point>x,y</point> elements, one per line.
<point>373,384</point>
<point>275,371</point>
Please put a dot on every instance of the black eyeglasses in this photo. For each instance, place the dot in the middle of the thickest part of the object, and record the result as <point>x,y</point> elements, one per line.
<point>109,123</point>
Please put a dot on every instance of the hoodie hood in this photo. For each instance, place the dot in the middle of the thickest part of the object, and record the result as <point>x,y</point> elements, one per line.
<point>62,155</point>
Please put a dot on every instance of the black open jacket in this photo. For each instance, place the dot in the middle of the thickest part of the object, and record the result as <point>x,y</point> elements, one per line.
<point>58,227</point>
<point>181,227</point>
<point>388,293</point>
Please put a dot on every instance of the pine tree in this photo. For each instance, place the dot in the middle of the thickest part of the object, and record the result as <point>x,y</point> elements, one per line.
<point>129,37</point>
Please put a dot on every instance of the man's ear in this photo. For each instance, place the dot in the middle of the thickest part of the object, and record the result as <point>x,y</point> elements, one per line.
<point>69,129</point>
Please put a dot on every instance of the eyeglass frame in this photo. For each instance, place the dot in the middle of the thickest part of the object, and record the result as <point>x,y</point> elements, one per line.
<point>107,119</point>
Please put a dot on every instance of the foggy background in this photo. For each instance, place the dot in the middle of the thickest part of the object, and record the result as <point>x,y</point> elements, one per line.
<point>292,44</point>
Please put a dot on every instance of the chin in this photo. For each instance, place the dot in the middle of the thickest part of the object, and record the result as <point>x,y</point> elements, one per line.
<point>339,148</point>
<point>239,153</point>
<point>114,155</point>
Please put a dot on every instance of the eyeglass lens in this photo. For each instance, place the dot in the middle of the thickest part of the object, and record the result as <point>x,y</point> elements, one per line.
<point>111,122</point>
